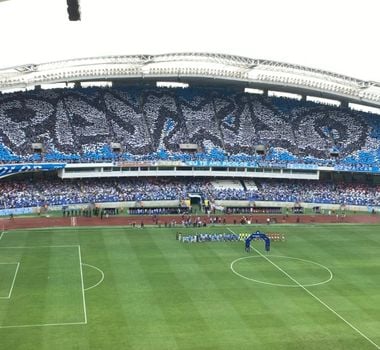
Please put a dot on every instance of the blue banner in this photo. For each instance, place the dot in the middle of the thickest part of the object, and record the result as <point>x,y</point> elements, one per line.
<point>22,168</point>
<point>15,211</point>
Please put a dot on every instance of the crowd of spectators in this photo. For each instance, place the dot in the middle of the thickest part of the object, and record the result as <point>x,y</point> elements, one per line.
<point>319,192</point>
<point>31,193</point>
<point>48,192</point>
<point>79,125</point>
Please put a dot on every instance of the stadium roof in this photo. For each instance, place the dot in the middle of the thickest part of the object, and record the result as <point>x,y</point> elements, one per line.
<point>331,36</point>
<point>189,66</point>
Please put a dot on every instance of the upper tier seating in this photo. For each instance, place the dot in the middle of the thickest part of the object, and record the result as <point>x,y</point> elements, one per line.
<point>79,125</point>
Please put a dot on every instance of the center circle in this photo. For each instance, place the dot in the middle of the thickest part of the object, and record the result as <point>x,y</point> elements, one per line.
<point>313,266</point>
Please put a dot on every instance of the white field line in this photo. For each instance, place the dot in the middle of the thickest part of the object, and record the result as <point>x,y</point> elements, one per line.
<point>43,325</point>
<point>14,263</point>
<point>13,282</point>
<point>41,246</point>
<point>81,276</point>
<point>101,279</point>
<point>316,298</point>
<point>6,263</point>
<point>2,234</point>
<point>279,284</point>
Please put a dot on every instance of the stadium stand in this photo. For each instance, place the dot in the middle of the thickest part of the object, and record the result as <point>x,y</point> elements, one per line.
<point>78,125</point>
<point>41,192</point>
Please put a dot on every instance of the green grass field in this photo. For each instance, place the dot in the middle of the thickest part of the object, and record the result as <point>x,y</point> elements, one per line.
<point>124,288</point>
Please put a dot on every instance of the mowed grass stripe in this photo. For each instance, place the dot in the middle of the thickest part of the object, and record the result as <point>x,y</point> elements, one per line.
<point>165,294</point>
<point>192,268</point>
<point>109,250</point>
<point>354,291</point>
<point>107,320</point>
<point>144,320</point>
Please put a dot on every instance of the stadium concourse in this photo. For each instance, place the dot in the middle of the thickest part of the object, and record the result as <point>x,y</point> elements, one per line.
<point>78,125</point>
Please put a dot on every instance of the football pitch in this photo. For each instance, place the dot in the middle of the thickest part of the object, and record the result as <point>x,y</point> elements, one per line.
<point>132,288</point>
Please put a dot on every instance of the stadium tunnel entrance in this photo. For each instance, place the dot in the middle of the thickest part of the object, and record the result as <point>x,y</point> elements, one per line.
<point>195,199</point>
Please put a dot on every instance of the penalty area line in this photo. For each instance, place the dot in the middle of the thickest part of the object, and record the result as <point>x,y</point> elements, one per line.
<point>39,246</point>
<point>315,297</point>
<point>43,325</point>
<point>13,282</point>
<point>82,285</point>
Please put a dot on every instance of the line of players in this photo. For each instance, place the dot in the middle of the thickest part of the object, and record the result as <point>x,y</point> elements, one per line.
<point>207,237</point>
<point>223,237</point>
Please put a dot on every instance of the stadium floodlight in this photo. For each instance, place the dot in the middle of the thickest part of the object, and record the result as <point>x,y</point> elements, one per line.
<point>96,83</point>
<point>12,90</point>
<point>53,86</point>
<point>172,84</point>
<point>362,108</point>
<point>284,94</point>
<point>324,101</point>
<point>254,91</point>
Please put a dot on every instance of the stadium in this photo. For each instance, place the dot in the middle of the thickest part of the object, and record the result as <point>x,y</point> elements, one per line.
<point>188,200</point>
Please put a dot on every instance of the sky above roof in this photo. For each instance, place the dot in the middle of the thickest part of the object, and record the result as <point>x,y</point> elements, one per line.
<point>339,36</point>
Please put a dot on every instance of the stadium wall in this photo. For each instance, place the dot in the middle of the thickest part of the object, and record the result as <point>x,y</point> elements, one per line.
<point>176,203</point>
